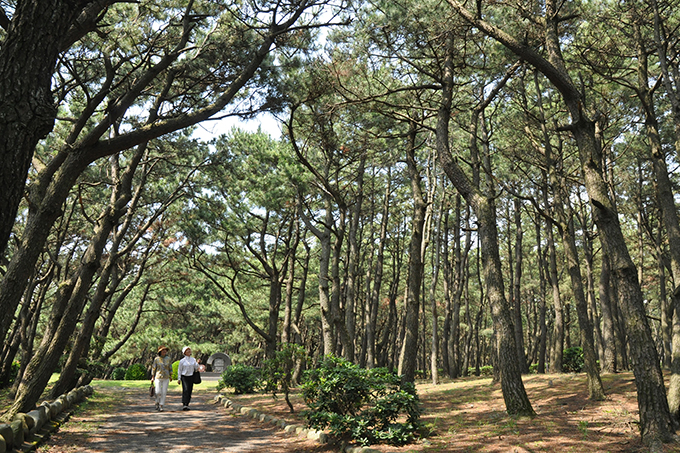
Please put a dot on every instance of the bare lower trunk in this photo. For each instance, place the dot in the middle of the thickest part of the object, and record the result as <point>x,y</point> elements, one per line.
<point>409,348</point>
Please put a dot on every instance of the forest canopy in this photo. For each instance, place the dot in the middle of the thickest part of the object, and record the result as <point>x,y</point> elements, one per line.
<point>456,186</point>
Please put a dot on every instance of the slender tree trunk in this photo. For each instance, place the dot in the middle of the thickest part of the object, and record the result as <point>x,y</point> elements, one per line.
<point>352,262</point>
<point>655,418</point>
<point>338,311</point>
<point>327,313</point>
<point>609,364</point>
<point>542,326</point>
<point>557,349</point>
<point>666,202</point>
<point>515,396</point>
<point>409,350</point>
<point>447,347</point>
<point>517,303</point>
<point>436,262</point>
<point>595,317</point>
<point>374,298</point>
<point>462,277</point>
<point>287,329</point>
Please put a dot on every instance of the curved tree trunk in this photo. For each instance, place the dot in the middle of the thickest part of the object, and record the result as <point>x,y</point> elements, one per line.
<point>27,109</point>
<point>666,202</point>
<point>515,396</point>
<point>656,423</point>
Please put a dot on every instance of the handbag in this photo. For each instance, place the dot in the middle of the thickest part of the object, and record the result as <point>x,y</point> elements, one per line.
<point>152,391</point>
<point>197,377</point>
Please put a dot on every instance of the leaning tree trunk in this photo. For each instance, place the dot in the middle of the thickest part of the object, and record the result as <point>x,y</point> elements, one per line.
<point>515,396</point>
<point>565,225</point>
<point>665,197</point>
<point>656,423</point>
<point>27,109</point>
<point>46,358</point>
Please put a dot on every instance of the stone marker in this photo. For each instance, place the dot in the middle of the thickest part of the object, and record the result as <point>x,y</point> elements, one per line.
<point>219,362</point>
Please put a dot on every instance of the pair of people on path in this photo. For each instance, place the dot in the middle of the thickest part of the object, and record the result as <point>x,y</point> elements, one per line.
<point>161,371</point>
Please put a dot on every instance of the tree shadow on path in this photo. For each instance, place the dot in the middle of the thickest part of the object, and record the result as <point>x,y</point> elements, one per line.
<point>133,425</point>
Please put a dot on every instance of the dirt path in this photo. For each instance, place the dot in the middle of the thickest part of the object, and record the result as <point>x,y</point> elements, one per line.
<point>131,424</point>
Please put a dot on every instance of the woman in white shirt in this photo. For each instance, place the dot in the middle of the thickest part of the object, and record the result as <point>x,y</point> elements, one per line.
<point>185,376</point>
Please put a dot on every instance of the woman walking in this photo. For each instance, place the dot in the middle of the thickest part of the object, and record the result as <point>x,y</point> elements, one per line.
<point>185,376</point>
<point>160,376</point>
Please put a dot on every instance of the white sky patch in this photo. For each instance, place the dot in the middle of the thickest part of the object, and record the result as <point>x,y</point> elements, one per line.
<point>212,129</point>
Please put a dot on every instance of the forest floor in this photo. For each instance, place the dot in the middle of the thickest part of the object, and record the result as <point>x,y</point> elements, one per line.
<point>465,415</point>
<point>468,415</point>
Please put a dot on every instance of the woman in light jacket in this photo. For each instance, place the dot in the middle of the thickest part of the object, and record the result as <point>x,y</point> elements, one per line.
<point>185,376</point>
<point>160,376</point>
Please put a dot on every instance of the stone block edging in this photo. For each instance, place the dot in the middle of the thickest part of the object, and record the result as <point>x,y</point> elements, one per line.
<point>290,428</point>
<point>27,431</point>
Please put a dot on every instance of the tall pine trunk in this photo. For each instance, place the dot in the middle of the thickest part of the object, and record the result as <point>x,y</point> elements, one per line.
<point>515,396</point>
<point>409,349</point>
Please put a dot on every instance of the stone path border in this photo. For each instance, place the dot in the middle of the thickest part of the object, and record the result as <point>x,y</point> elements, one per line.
<point>298,430</point>
<point>27,431</point>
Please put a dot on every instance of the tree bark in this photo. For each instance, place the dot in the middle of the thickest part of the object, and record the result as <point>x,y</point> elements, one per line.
<point>373,299</point>
<point>409,350</point>
<point>666,202</point>
<point>352,262</point>
<point>517,303</point>
<point>543,295</point>
<point>656,422</point>
<point>28,57</point>
<point>515,396</point>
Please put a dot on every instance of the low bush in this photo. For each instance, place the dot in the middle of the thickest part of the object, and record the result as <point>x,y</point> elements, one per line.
<point>242,378</point>
<point>364,404</point>
<point>118,374</point>
<point>486,370</point>
<point>572,360</point>
<point>277,372</point>
<point>135,372</point>
<point>175,371</point>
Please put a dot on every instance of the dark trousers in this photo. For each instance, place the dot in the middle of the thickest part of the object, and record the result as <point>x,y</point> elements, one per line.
<point>187,388</point>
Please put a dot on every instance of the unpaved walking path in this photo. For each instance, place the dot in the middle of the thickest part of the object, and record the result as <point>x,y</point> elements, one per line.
<point>131,424</point>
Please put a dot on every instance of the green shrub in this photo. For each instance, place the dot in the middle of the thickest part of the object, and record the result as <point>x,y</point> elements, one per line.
<point>175,371</point>
<point>360,403</point>
<point>486,370</point>
<point>572,360</point>
<point>118,374</point>
<point>277,372</point>
<point>135,372</point>
<point>243,379</point>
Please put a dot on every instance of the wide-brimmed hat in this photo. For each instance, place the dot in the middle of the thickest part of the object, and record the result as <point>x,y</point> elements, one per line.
<point>160,348</point>
<point>184,349</point>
